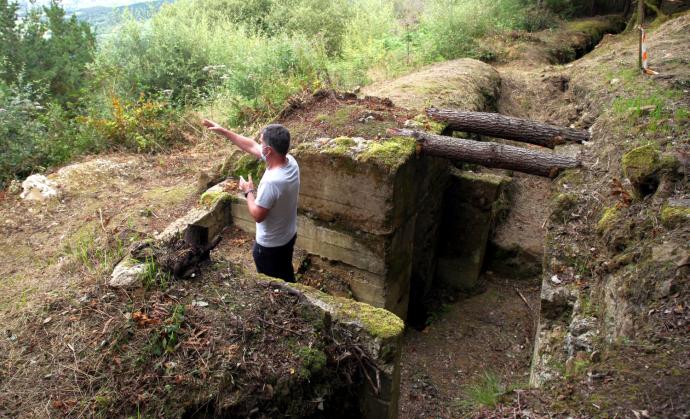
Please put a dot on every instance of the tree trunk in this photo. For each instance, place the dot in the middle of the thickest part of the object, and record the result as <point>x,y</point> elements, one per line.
<point>501,126</point>
<point>490,154</point>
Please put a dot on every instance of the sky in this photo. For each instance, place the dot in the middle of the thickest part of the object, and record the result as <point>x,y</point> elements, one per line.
<point>84,4</point>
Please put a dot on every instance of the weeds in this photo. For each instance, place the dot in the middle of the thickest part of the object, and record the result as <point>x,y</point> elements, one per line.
<point>154,276</point>
<point>486,391</point>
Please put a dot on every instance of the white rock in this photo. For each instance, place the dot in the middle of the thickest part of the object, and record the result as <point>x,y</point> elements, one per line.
<point>38,188</point>
<point>555,280</point>
<point>127,275</point>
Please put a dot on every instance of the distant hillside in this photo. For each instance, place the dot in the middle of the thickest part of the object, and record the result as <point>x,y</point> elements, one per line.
<point>103,15</point>
<point>103,19</point>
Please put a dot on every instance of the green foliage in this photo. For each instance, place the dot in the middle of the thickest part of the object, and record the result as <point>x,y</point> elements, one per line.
<point>141,125</point>
<point>165,340</point>
<point>484,392</point>
<point>47,47</point>
<point>154,276</point>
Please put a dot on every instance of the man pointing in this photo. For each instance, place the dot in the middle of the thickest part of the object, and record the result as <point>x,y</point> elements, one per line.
<point>274,204</point>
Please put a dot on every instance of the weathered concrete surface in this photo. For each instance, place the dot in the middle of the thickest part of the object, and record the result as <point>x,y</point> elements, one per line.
<point>466,226</point>
<point>380,334</point>
<point>380,264</point>
<point>361,184</point>
<point>463,84</point>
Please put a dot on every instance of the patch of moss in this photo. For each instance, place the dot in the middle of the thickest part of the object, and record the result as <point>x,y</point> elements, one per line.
<point>424,122</point>
<point>313,361</point>
<point>340,145</point>
<point>640,163</point>
<point>391,153</point>
<point>608,219</point>
<point>211,197</point>
<point>673,216</point>
<point>247,165</point>
<point>378,322</point>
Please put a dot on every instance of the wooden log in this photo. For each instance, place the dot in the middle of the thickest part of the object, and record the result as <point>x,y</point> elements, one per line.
<point>490,154</point>
<point>508,127</point>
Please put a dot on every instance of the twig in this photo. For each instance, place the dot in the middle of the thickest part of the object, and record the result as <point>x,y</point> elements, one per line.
<point>279,327</point>
<point>529,307</point>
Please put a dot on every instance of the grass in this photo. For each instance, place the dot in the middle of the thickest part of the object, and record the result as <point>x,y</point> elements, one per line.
<point>485,392</point>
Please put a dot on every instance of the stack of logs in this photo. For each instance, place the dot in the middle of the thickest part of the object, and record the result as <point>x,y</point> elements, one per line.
<point>497,155</point>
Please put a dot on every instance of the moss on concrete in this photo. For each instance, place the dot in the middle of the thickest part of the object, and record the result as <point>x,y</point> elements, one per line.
<point>211,197</point>
<point>608,219</point>
<point>422,121</point>
<point>340,145</point>
<point>672,216</point>
<point>376,321</point>
<point>391,153</point>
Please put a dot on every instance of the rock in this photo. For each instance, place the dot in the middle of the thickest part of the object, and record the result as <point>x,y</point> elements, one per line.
<point>581,325</point>
<point>38,188</point>
<point>127,274</point>
<point>556,300</point>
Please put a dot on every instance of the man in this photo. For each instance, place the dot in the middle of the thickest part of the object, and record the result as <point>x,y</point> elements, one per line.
<point>274,205</point>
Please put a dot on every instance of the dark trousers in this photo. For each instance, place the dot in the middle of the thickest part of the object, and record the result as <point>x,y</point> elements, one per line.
<point>275,261</point>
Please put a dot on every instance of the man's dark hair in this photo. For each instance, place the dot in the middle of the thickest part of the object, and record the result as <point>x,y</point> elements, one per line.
<point>277,137</point>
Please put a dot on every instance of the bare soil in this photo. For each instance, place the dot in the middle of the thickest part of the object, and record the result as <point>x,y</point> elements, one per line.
<point>467,337</point>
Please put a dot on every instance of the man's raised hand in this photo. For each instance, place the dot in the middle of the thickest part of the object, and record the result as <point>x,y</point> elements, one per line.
<point>212,126</point>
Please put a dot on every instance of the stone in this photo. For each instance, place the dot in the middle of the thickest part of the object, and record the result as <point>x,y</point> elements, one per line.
<point>557,301</point>
<point>38,188</point>
<point>127,274</point>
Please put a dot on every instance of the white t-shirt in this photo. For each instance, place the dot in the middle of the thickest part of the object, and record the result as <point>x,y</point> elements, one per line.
<point>278,191</point>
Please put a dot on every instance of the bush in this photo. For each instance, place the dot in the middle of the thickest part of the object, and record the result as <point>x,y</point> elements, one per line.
<point>142,125</point>
<point>33,136</point>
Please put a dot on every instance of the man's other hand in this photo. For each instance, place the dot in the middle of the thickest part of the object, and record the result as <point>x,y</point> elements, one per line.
<point>246,185</point>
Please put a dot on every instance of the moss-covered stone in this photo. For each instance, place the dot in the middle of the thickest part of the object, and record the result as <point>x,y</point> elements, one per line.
<point>376,321</point>
<point>213,196</point>
<point>391,153</point>
<point>672,216</point>
<point>422,121</point>
<point>340,145</point>
<point>640,163</point>
<point>608,219</point>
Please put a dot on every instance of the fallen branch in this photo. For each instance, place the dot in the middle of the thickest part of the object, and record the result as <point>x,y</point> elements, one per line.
<point>508,127</point>
<point>489,154</point>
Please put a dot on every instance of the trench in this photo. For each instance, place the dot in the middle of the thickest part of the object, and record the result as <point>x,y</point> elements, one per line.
<point>470,297</point>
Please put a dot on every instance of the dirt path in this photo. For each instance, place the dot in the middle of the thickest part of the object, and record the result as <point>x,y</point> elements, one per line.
<point>489,333</point>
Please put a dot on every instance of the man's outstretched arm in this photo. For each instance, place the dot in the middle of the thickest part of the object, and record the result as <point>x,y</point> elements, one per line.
<point>246,144</point>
